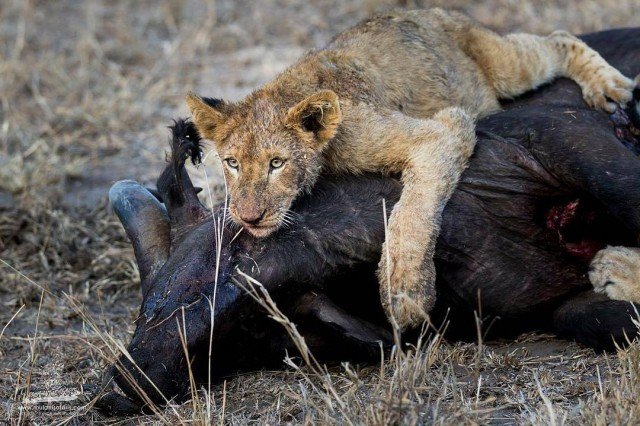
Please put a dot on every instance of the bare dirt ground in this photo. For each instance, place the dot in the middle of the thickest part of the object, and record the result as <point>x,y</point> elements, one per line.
<point>87,89</point>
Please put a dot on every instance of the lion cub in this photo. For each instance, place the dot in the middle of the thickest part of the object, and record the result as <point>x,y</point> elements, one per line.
<point>395,93</point>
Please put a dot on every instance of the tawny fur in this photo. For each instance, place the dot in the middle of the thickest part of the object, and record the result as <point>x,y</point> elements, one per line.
<point>370,101</point>
<point>615,271</point>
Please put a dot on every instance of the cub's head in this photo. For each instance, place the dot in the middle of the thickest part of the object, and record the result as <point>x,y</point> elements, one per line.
<point>270,153</point>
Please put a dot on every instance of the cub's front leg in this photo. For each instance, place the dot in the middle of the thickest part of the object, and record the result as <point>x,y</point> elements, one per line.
<point>431,154</point>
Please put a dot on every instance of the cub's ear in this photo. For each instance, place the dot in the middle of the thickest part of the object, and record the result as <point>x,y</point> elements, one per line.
<point>207,114</point>
<point>318,115</point>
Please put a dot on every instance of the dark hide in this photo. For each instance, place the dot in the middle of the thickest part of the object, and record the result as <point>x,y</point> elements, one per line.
<point>550,183</point>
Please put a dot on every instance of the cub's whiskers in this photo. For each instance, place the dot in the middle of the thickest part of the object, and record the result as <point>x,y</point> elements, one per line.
<point>289,218</point>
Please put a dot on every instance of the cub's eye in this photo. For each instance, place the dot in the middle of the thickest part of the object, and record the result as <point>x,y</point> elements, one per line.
<point>232,162</point>
<point>276,163</point>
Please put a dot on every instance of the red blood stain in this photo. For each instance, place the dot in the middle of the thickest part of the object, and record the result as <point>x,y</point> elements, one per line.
<point>565,219</point>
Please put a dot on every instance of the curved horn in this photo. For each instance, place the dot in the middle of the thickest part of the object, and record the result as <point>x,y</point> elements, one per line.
<point>147,225</point>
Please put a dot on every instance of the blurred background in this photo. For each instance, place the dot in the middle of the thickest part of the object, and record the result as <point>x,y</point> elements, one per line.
<point>88,87</point>
<point>87,90</point>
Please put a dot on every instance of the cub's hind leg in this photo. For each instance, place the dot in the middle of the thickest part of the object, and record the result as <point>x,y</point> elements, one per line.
<point>517,63</point>
<point>431,154</point>
<point>615,271</point>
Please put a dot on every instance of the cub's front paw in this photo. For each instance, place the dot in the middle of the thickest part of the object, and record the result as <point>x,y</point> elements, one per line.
<point>407,290</point>
<point>607,88</point>
<point>615,271</point>
<point>408,308</point>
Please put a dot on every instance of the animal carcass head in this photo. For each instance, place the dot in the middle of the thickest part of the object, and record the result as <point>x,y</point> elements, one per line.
<point>190,260</point>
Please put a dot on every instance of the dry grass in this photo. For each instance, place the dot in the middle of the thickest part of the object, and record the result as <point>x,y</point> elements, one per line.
<point>86,90</point>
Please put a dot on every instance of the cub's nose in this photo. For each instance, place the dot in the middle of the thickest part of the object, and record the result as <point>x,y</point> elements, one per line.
<point>252,217</point>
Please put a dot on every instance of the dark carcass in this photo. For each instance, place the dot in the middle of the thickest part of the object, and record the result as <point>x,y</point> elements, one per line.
<point>551,182</point>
